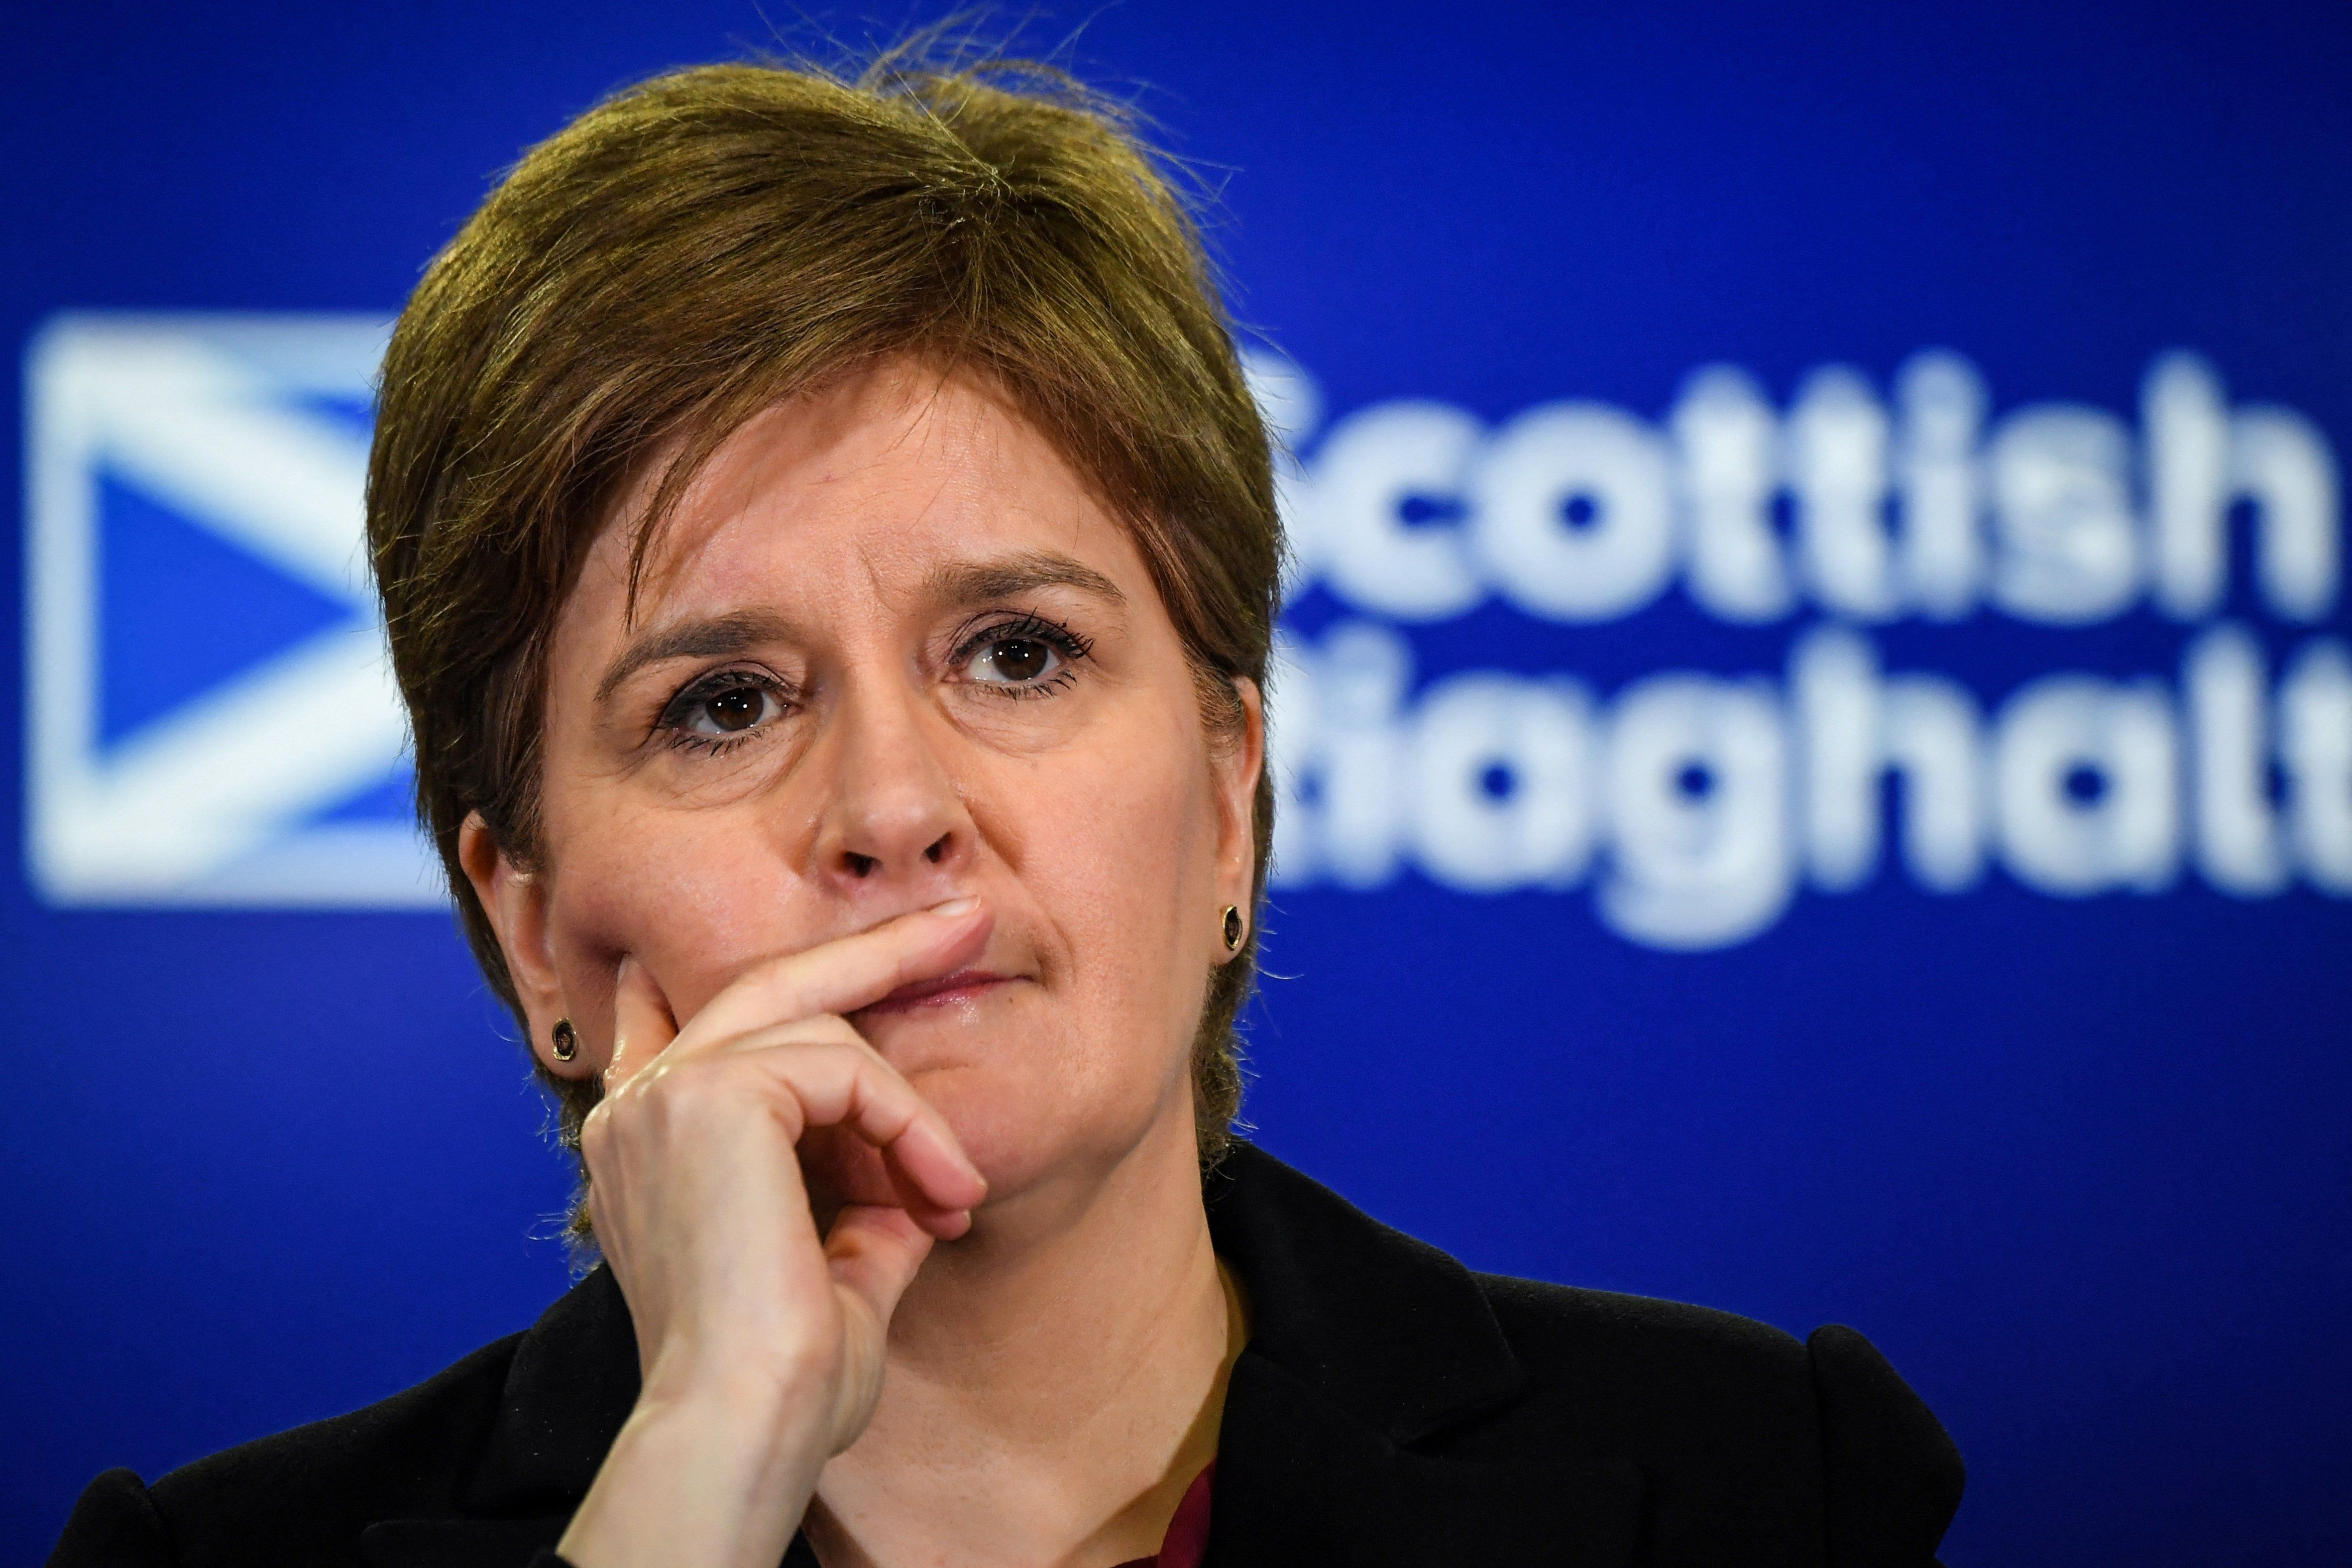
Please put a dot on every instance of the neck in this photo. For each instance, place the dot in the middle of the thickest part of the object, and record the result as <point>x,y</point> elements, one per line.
<point>1055,1380</point>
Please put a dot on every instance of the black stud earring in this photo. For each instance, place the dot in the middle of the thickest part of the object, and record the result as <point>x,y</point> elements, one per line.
<point>1232,929</point>
<point>565,1039</point>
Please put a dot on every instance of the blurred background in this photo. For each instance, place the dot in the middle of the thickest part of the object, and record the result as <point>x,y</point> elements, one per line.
<point>1815,722</point>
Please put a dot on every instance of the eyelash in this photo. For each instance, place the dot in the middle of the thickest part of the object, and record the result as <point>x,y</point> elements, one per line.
<point>1074,647</point>
<point>702,689</point>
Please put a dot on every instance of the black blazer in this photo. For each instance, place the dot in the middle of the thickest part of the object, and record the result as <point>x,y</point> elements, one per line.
<point>1392,1408</point>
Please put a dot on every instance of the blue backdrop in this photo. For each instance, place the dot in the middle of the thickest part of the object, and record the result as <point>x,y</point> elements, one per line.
<point>1816,715</point>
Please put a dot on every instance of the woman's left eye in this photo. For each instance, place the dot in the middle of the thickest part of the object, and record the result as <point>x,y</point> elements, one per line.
<point>1014,661</point>
<point>1028,657</point>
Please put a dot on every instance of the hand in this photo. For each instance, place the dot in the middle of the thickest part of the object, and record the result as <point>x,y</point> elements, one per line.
<point>761,1341</point>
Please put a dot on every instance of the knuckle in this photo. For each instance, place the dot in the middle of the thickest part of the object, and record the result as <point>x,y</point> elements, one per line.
<point>690,1088</point>
<point>596,1139</point>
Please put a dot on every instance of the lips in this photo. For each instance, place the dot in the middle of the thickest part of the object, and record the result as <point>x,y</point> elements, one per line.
<point>946,990</point>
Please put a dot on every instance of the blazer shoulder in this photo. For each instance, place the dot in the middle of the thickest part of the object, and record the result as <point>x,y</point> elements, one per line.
<point>1652,1347</point>
<point>1892,1473</point>
<point>114,1525</point>
<point>303,1496</point>
<point>1712,1406</point>
<point>1822,1436</point>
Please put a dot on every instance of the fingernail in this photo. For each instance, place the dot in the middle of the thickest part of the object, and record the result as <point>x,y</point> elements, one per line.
<point>956,908</point>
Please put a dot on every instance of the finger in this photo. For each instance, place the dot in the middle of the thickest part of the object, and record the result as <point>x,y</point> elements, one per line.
<point>943,1213</point>
<point>838,1167</point>
<point>816,1029</point>
<point>847,974</point>
<point>642,1025</point>
<point>830,1083</point>
<point>939,1219</point>
<point>874,1253</point>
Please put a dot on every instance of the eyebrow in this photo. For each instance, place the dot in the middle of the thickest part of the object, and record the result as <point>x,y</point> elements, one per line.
<point>962,583</point>
<point>972,583</point>
<point>714,638</point>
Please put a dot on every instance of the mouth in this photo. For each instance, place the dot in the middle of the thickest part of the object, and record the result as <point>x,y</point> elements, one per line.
<point>965,985</point>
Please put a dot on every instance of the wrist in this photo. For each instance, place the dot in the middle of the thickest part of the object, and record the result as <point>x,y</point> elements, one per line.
<point>714,1472</point>
<point>759,1382</point>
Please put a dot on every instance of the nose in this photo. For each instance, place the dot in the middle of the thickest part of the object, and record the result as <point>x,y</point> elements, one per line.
<point>894,828</point>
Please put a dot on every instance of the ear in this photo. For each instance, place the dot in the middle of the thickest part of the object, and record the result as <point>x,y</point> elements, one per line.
<point>516,901</point>
<point>1237,762</point>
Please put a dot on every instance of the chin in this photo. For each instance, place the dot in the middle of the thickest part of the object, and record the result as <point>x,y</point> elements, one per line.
<point>1031,1104</point>
<point>1017,1142</point>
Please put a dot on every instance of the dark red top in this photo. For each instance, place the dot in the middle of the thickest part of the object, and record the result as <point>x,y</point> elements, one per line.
<point>1187,1540</point>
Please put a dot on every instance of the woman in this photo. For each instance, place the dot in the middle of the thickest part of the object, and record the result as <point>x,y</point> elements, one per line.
<point>830,559</point>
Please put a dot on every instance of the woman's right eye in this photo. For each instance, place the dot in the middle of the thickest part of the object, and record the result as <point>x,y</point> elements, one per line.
<point>725,710</point>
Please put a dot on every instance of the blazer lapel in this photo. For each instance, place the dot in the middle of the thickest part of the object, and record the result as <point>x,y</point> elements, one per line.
<point>458,1542</point>
<point>1299,1480</point>
<point>572,1384</point>
<point>569,1388</point>
<point>1365,1344</point>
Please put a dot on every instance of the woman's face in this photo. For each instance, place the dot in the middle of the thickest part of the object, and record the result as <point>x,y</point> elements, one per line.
<point>889,650</point>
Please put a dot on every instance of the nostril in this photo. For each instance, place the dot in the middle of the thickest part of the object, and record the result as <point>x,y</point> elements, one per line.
<point>861,865</point>
<point>937,851</point>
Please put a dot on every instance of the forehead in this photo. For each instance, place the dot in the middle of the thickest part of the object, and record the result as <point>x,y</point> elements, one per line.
<point>870,484</point>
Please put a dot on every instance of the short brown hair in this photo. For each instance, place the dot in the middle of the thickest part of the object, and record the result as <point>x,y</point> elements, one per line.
<point>712,241</point>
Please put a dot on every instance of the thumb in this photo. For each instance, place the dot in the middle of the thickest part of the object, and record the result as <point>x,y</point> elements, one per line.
<point>642,1025</point>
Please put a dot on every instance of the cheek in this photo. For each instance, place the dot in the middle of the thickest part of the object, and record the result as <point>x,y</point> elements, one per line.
<point>692,901</point>
<point>1126,849</point>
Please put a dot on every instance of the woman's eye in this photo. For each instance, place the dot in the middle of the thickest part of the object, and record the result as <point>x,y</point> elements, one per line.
<point>730,709</point>
<point>1014,661</point>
